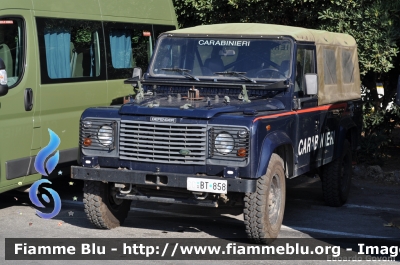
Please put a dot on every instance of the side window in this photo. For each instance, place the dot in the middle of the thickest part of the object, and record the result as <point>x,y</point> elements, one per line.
<point>305,65</point>
<point>70,50</point>
<point>347,66</point>
<point>128,46</point>
<point>12,47</point>
<point>329,66</point>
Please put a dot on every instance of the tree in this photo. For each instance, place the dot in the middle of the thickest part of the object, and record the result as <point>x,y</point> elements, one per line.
<point>375,26</point>
<point>286,12</point>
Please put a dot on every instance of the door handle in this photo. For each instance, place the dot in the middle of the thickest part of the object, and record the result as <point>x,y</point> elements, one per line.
<point>28,99</point>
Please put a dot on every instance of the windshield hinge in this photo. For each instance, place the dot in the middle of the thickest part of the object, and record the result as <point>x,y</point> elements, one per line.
<point>243,95</point>
<point>140,95</point>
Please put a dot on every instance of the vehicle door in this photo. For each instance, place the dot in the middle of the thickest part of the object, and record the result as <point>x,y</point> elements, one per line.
<point>308,113</point>
<point>19,109</point>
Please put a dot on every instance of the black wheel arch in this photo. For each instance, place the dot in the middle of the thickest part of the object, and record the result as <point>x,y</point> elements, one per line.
<point>349,131</point>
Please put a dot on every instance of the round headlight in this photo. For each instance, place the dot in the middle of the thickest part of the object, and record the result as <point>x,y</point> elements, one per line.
<point>105,135</point>
<point>224,143</point>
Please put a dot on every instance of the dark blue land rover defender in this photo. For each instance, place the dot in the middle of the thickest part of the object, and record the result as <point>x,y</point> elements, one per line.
<point>225,114</point>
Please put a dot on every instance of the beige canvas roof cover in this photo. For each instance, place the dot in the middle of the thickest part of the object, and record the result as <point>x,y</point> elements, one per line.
<point>337,61</point>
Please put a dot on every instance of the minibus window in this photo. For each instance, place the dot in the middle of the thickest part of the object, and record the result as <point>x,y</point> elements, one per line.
<point>70,50</point>
<point>12,48</point>
<point>121,48</point>
<point>58,43</point>
<point>128,46</point>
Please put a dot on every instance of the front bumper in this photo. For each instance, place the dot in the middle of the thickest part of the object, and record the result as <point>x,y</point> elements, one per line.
<point>159,179</point>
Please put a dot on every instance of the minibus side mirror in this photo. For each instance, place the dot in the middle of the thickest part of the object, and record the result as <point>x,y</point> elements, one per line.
<point>3,79</point>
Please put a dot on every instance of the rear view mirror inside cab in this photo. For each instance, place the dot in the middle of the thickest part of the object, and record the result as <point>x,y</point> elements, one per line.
<point>311,84</point>
<point>225,52</point>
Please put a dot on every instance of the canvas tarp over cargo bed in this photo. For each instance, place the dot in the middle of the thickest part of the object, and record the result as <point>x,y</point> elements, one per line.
<point>337,61</point>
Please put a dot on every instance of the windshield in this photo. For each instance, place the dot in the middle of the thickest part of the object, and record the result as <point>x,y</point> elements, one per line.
<point>222,58</point>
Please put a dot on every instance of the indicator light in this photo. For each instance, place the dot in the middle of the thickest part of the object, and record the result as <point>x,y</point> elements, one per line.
<point>242,152</point>
<point>87,142</point>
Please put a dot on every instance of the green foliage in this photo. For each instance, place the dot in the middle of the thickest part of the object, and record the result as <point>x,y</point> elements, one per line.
<point>82,37</point>
<point>374,25</point>
<point>378,125</point>
<point>286,12</point>
<point>378,128</point>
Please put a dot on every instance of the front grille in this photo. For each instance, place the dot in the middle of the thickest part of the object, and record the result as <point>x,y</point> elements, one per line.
<point>163,143</point>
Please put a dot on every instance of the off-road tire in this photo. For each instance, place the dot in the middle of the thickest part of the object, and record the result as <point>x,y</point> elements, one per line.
<point>263,209</point>
<point>100,208</point>
<point>336,178</point>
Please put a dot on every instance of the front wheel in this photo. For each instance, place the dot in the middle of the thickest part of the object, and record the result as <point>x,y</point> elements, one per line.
<point>336,178</point>
<point>263,209</point>
<point>102,208</point>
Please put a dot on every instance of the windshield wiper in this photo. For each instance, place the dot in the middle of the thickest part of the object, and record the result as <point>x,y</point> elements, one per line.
<point>182,71</point>
<point>237,74</point>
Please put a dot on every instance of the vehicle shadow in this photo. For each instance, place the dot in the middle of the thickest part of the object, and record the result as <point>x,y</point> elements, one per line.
<point>306,215</point>
<point>169,220</point>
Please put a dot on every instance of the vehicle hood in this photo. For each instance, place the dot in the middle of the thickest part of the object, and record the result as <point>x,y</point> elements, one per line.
<point>204,107</point>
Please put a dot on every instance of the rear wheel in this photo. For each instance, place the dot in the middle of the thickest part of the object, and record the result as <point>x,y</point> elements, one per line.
<point>102,208</point>
<point>263,209</point>
<point>336,178</point>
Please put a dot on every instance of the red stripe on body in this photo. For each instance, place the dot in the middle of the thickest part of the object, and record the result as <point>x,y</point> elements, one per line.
<point>319,108</point>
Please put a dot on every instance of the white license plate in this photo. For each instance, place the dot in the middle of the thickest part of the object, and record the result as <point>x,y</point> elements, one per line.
<point>207,185</point>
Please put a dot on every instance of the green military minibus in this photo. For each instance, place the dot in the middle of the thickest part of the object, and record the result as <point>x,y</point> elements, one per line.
<point>61,57</point>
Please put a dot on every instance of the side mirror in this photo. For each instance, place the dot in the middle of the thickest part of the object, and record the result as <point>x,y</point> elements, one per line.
<point>311,84</point>
<point>137,73</point>
<point>3,79</point>
<point>397,100</point>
